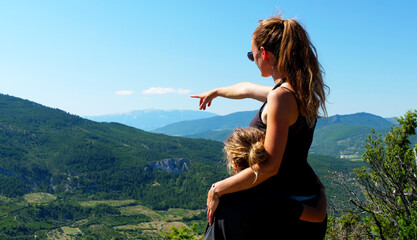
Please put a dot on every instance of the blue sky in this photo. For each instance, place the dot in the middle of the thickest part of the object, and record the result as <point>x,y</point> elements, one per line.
<point>103,57</point>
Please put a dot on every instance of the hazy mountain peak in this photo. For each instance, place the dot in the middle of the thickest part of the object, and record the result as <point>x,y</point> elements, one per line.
<point>149,119</point>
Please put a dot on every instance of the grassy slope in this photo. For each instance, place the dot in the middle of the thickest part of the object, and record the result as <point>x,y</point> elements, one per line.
<point>44,149</point>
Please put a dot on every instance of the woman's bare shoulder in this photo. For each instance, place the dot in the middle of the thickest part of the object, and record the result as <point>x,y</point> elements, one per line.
<point>282,102</point>
<point>281,95</point>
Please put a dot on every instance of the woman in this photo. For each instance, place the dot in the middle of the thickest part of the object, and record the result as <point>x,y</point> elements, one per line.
<point>281,49</point>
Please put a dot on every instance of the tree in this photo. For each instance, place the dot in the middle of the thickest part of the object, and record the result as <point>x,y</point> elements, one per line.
<point>182,233</point>
<point>389,183</point>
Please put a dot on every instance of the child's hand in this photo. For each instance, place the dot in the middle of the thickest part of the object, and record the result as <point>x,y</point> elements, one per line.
<point>212,203</point>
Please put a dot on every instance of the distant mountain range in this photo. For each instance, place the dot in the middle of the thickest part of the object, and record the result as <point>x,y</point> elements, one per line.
<point>195,128</point>
<point>341,136</point>
<point>151,119</point>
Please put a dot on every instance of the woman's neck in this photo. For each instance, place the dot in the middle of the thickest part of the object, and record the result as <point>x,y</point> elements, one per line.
<point>279,81</point>
<point>277,77</point>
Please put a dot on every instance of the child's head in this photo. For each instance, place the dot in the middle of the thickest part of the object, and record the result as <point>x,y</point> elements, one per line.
<point>244,148</point>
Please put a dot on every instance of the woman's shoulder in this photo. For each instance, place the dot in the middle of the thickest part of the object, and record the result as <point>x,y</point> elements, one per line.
<point>282,101</point>
<point>282,95</point>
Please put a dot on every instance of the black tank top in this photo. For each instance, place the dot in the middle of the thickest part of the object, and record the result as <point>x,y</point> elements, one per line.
<point>295,176</point>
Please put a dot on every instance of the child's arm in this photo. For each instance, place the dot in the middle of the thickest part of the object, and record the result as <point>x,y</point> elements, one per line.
<point>318,213</point>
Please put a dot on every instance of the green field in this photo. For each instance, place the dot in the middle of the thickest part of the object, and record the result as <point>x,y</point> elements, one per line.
<point>46,217</point>
<point>39,198</point>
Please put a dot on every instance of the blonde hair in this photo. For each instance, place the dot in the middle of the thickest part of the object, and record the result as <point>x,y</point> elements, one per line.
<point>297,62</point>
<point>245,148</point>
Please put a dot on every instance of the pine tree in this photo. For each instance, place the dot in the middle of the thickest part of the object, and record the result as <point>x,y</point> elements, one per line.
<point>390,182</point>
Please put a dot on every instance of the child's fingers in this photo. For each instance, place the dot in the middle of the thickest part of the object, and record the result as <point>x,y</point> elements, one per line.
<point>210,217</point>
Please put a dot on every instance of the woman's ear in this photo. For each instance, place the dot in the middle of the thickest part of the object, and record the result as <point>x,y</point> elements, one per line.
<point>264,53</point>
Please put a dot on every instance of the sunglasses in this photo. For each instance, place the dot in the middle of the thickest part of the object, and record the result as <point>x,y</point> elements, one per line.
<point>250,56</point>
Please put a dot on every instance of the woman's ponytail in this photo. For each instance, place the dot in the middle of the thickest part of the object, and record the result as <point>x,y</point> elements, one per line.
<point>297,62</point>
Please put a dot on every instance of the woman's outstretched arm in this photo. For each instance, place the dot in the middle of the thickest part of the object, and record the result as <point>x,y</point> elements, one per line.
<point>238,91</point>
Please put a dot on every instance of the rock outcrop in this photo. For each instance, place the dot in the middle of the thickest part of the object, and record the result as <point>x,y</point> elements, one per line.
<point>172,165</point>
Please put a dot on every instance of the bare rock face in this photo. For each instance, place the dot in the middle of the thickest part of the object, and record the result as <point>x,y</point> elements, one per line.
<point>172,165</point>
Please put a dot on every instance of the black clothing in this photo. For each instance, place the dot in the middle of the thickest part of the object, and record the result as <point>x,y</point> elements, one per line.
<point>256,213</point>
<point>295,176</point>
<point>267,210</point>
<point>257,119</point>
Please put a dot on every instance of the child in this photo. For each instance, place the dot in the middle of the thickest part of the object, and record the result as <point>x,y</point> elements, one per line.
<point>245,148</point>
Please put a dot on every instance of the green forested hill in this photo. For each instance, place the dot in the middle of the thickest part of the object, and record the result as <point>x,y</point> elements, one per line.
<point>44,149</point>
<point>358,119</point>
<point>343,136</point>
<point>61,174</point>
<point>48,150</point>
<point>324,166</point>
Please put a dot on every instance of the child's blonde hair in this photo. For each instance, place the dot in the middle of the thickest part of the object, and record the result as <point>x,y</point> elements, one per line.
<point>245,148</point>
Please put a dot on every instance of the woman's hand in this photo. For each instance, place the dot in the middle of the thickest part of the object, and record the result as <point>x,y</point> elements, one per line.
<point>212,203</point>
<point>206,98</point>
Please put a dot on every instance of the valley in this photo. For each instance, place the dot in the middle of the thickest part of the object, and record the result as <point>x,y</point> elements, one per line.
<point>66,177</point>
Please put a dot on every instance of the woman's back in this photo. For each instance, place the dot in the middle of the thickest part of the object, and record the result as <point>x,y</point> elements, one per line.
<point>295,177</point>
